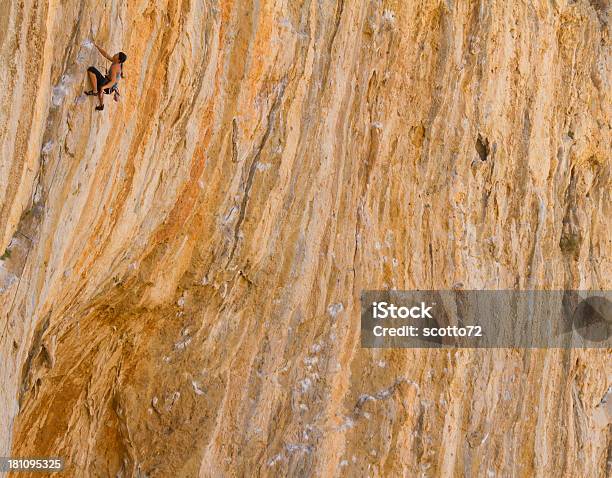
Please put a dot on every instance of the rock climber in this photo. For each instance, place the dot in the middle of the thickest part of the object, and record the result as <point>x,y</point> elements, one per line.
<point>106,84</point>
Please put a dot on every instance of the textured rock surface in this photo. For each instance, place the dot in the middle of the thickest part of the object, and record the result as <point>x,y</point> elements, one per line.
<point>179,295</point>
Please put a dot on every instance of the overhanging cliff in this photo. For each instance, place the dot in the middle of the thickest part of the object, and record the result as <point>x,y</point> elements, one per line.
<point>179,291</point>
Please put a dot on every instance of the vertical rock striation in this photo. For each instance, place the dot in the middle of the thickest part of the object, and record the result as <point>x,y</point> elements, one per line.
<point>179,291</point>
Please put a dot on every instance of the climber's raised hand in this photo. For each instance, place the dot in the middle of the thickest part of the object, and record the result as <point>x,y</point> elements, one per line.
<point>103,52</point>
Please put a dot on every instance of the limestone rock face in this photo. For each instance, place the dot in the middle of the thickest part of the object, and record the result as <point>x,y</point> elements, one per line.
<point>180,273</point>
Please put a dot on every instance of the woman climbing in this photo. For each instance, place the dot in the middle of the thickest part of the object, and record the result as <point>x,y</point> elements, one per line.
<point>106,83</point>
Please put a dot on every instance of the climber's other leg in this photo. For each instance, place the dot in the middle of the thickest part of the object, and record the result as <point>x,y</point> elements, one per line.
<point>100,107</point>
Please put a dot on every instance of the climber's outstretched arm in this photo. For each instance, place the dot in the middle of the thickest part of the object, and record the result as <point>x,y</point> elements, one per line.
<point>103,52</point>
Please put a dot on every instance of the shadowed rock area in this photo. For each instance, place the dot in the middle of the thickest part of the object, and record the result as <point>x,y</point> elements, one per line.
<point>180,274</point>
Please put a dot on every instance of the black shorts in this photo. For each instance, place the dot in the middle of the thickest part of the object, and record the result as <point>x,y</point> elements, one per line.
<point>101,78</point>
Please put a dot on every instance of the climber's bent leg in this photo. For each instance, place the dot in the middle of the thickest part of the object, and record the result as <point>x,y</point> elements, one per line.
<point>94,84</point>
<point>96,78</point>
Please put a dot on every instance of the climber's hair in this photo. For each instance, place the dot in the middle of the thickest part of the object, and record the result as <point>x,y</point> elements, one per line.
<point>122,57</point>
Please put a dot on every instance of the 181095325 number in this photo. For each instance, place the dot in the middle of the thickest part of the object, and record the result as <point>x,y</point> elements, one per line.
<point>31,464</point>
